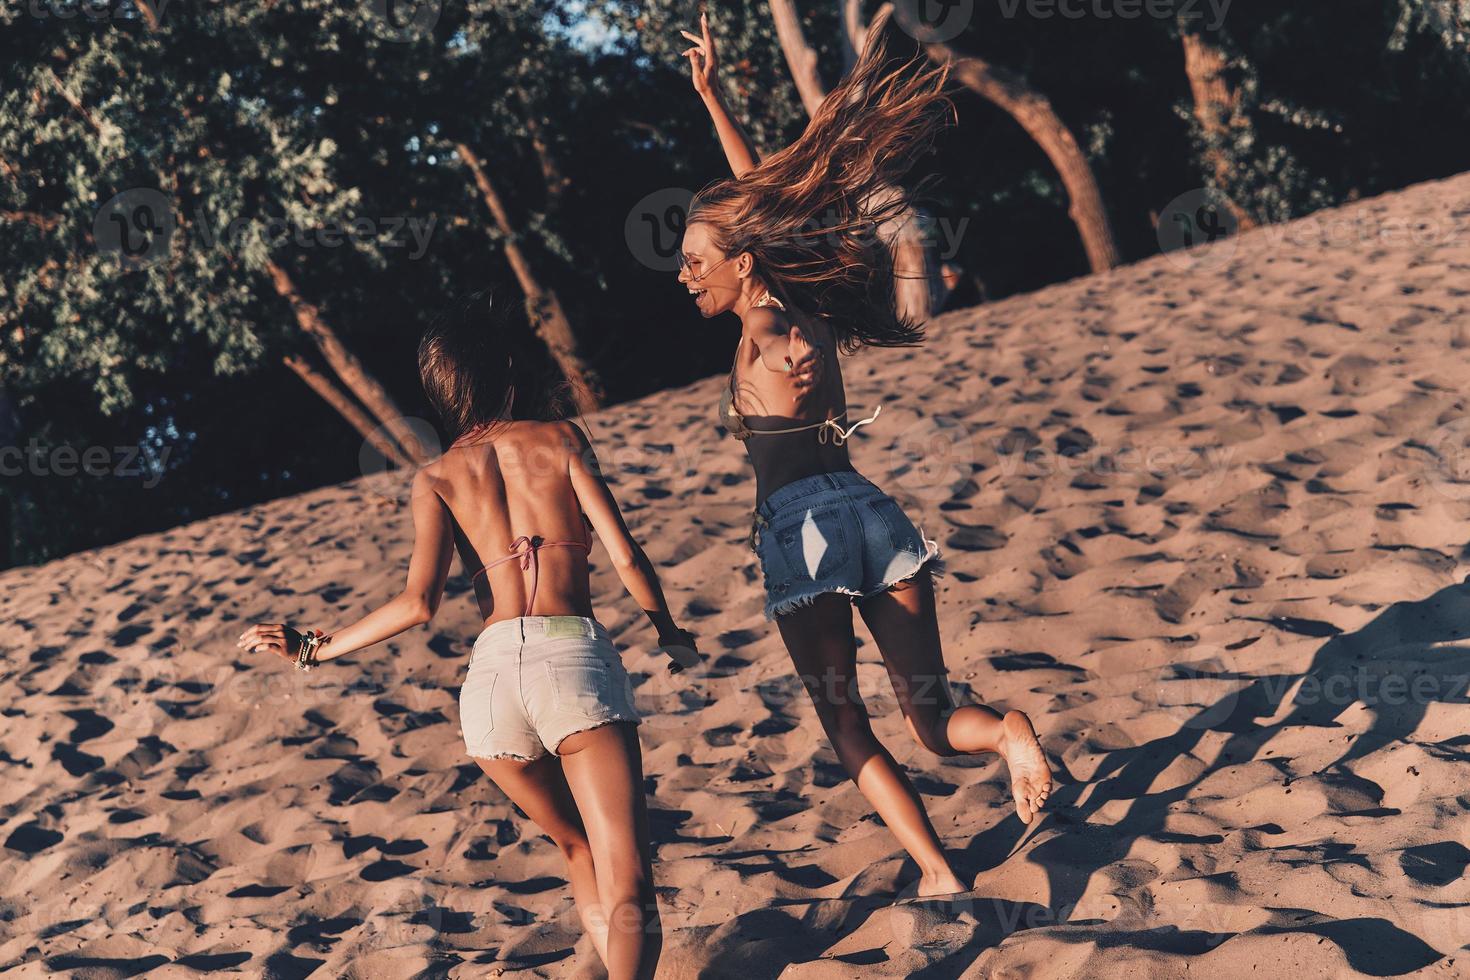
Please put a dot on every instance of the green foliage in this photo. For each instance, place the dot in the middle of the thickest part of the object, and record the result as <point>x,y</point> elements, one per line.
<point>265,127</point>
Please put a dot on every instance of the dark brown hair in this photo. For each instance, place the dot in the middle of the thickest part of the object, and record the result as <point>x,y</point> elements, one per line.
<point>480,365</point>
<point>811,215</point>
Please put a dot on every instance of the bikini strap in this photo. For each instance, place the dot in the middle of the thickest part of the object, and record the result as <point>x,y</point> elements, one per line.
<point>525,548</point>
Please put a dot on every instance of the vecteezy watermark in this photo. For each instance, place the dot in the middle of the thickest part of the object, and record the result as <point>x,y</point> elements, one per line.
<point>933,21</point>
<point>1185,462</point>
<point>404,20</point>
<point>1199,693</point>
<point>135,227</point>
<point>931,458</point>
<point>395,481</point>
<point>404,913</point>
<point>34,459</point>
<point>1195,219</point>
<point>397,231</point>
<point>1449,475</point>
<point>655,226</point>
<point>138,227</point>
<point>1211,12</point>
<point>98,11</point>
<point>937,21</point>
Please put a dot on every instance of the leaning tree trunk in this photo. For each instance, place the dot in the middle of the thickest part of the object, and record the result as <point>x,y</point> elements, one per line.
<point>352,372</point>
<point>347,408</point>
<point>801,59</point>
<point>1034,112</point>
<point>1215,107</point>
<point>916,283</point>
<point>543,305</point>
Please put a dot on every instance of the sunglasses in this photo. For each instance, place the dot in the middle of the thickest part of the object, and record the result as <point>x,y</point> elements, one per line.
<point>685,262</point>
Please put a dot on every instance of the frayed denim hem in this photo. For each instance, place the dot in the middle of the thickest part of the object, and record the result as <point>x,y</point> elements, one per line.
<point>932,560</point>
<point>792,603</point>
<point>594,725</point>
<point>504,756</point>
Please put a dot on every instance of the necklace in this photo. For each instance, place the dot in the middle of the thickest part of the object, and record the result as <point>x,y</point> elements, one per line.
<point>766,299</point>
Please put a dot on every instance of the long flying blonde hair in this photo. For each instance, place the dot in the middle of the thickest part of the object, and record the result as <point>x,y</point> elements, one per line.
<point>810,215</point>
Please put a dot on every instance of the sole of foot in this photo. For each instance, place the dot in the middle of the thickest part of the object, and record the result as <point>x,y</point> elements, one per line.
<point>1031,779</point>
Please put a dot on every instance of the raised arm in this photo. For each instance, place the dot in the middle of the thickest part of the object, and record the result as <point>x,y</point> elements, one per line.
<point>428,569</point>
<point>704,71</point>
<point>633,567</point>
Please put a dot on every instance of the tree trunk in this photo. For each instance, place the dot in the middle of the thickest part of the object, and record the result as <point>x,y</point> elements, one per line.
<point>801,59</point>
<point>543,305</point>
<point>1034,112</point>
<point>347,408</point>
<point>352,372</point>
<point>915,267</point>
<point>854,32</point>
<point>551,173</point>
<point>850,14</point>
<point>1215,107</point>
<point>150,16</point>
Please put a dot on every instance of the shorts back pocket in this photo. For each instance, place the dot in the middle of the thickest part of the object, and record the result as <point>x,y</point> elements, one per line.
<point>814,545</point>
<point>579,683</point>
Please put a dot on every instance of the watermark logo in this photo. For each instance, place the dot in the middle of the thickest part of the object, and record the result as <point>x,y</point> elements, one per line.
<point>1195,219</point>
<point>933,21</point>
<point>1196,693</point>
<point>135,227</point>
<point>394,480</point>
<point>126,462</point>
<point>655,226</point>
<point>932,458</point>
<point>407,915</point>
<point>1449,474</point>
<point>404,20</point>
<point>124,11</point>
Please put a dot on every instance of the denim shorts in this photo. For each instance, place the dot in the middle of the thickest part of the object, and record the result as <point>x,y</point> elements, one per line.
<point>534,680</point>
<point>835,532</point>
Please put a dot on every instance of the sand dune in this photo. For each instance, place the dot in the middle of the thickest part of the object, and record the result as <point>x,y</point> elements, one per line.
<point>1206,519</point>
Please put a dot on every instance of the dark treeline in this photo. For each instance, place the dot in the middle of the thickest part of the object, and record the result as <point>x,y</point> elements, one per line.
<point>224,226</point>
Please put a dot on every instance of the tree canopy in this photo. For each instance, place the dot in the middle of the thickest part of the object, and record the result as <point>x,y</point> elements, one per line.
<point>225,226</point>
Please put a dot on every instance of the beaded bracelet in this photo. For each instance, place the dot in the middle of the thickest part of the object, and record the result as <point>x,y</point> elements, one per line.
<point>311,641</point>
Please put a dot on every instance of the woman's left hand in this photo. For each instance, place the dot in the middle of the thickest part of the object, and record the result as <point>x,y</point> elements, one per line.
<point>804,361</point>
<point>277,638</point>
<point>704,66</point>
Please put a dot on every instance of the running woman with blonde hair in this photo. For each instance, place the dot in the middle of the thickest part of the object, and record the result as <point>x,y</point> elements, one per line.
<point>792,246</point>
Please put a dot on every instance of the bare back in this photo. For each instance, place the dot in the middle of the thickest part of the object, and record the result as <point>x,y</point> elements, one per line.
<point>517,482</point>
<point>769,400</point>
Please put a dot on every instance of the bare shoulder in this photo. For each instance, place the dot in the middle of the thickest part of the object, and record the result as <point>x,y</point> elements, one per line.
<point>571,435</point>
<point>765,323</point>
<point>429,479</point>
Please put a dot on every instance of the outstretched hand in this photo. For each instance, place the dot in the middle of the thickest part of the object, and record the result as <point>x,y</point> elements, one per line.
<point>277,638</point>
<point>703,62</point>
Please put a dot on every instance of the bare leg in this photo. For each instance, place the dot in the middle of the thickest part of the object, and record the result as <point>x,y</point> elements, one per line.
<point>820,640</point>
<point>904,624</point>
<point>540,789</point>
<point>604,767</point>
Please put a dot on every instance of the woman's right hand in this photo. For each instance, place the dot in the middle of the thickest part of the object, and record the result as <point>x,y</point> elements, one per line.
<point>679,647</point>
<point>703,62</point>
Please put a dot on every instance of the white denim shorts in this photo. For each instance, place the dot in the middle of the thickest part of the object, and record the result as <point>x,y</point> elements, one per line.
<point>534,680</point>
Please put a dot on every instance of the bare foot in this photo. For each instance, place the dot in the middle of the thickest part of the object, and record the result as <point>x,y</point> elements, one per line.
<point>940,884</point>
<point>935,885</point>
<point>1030,775</point>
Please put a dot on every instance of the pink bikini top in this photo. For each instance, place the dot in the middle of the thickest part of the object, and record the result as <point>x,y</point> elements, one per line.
<point>525,548</point>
